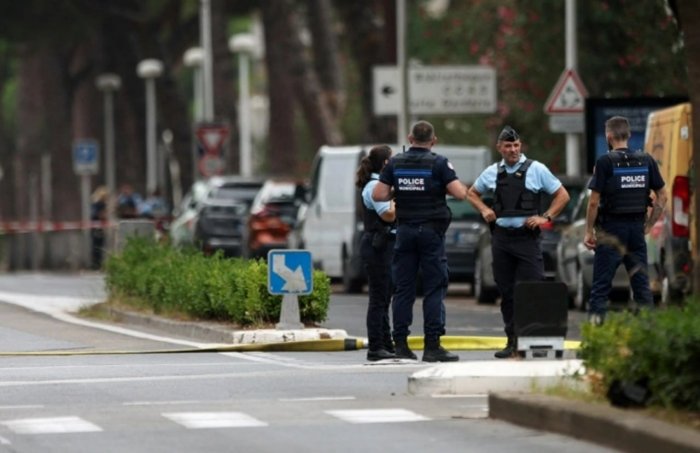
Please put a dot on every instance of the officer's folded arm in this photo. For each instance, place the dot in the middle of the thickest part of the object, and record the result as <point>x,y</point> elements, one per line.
<point>381,192</point>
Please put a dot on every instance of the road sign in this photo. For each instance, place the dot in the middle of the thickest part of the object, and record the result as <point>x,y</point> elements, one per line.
<point>211,165</point>
<point>436,90</point>
<point>289,272</point>
<point>212,137</point>
<point>385,86</point>
<point>86,157</point>
<point>568,96</point>
<point>571,123</point>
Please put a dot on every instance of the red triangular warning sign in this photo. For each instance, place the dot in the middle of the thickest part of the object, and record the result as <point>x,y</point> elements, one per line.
<point>212,137</point>
<point>569,94</point>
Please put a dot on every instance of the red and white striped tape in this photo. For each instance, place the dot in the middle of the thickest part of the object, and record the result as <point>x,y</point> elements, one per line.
<point>41,227</point>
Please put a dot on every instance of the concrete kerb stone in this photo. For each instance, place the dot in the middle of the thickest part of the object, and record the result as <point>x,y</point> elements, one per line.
<point>214,333</point>
<point>625,430</point>
<point>492,375</point>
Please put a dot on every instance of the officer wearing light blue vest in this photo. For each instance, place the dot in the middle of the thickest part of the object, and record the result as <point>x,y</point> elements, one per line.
<point>514,219</point>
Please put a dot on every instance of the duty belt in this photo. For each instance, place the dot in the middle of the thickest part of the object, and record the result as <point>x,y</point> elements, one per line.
<point>518,232</point>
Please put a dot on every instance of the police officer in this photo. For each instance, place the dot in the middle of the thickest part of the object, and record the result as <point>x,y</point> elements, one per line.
<point>616,218</point>
<point>420,181</point>
<point>377,250</point>
<point>515,219</point>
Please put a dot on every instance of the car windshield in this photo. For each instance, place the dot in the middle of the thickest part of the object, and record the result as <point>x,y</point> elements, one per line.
<point>238,192</point>
<point>462,210</point>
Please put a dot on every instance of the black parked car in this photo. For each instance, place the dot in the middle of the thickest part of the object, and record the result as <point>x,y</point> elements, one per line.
<point>220,219</point>
<point>462,240</point>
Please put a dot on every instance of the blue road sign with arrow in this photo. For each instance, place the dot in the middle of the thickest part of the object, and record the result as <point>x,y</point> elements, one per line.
<point>289,272</point>
<point>86,157</point>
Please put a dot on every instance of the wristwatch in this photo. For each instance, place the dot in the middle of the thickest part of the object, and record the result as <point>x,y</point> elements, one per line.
<point>547,216</point>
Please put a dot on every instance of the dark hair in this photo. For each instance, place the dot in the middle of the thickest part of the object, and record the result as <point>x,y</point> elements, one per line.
<point>423,132</point>
<point>372,163</point>
<point>618,127</point>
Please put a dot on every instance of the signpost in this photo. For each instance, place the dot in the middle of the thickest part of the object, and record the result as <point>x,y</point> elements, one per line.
<point>212,139</point>
<point>566,104</point>
<point>290,273</point>
<point>85,164</point>
<point>436,90</point>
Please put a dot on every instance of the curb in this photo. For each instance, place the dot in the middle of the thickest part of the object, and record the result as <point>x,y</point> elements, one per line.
<point>617,428</point>
<point>213,333</point>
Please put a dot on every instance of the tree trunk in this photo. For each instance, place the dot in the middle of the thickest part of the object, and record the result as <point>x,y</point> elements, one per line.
<point>690,24</point>
<point>282,147</point>
<point>326,57</point>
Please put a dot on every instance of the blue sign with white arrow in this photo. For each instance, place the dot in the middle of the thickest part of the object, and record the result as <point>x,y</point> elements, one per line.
<point>86,157</point>
<point>289,272</point>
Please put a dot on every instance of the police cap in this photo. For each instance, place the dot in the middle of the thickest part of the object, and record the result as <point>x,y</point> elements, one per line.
<point>508,134</point>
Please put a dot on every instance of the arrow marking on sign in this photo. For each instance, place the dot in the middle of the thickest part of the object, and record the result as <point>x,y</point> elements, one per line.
<point>294,279</point>
<point>387,90</point>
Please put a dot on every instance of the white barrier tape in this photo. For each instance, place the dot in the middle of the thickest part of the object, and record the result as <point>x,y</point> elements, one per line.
<point>42,227</point>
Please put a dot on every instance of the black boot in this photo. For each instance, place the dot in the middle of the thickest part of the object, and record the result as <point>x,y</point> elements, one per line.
<point>379,354</point>
<point>509,351</point>
<point>402,349</point>
<point>433,352</point>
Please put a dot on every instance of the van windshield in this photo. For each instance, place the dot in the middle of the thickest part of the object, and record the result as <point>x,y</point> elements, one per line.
<point>339,183</point>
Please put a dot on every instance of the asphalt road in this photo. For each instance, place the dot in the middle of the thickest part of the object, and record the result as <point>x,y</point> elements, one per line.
<point>313,401</point>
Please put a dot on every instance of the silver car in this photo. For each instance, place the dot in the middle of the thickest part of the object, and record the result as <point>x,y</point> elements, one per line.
<point>575,263</point>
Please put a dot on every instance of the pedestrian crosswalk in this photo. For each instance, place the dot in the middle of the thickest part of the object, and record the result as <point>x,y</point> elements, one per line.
<point>205,420</point>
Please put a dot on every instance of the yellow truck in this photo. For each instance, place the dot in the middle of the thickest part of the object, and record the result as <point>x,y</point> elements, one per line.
<point>669,141</point>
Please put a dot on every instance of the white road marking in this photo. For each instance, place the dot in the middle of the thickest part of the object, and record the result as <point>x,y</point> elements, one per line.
<point>52,425</point>
<point>4,441</point>
<point>160,403</point>
<point>22,406</point>
<point>199,420</point>
<point>377,415</point>
<point>318,398</point>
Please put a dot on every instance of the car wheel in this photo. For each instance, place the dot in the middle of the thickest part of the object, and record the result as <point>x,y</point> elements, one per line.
<point>583,291</point>
<point>483,295</point>
<point>668,294</point>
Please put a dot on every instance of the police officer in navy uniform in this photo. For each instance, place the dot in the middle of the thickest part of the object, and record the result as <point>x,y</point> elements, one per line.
<point>377,250</point>
<point>618,217</point>
<point>420,180</point>
<point>515,220</point>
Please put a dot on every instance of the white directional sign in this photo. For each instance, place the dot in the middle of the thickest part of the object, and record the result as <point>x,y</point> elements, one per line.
<point>436,90</point>
<point>289,272</point>
<point>568,95</point>
<point>86,157</point>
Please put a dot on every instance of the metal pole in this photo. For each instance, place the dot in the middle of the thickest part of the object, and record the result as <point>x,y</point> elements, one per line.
<point>208,73</point>
<point>572,140</point>
<point>110,165</point>
<point>151,170</point>
<point>85,199</point>
<point>401,64</point>
<point>244,114</point>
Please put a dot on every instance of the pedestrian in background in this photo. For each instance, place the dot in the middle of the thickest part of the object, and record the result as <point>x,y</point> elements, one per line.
<point>616,218</point>
<point>128,203</point>
<point>377,250</point>
<point>98,213</point>
<point>420,180</point>
<point>514,219</point>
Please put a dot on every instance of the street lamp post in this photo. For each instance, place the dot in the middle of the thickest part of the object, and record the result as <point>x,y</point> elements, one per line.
<point>149,70</point>
<point>108,83</point>
<point>244,45</point>
<point>194,58</point>
<point>207,63</point>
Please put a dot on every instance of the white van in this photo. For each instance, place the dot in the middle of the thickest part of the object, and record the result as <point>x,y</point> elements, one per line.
<point>331,224</point>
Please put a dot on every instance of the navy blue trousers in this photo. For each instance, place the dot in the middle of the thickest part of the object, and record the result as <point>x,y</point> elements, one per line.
<point>419,246</point>
<point>377,263</point>
<point>515,258</point>
<point>620,241</point>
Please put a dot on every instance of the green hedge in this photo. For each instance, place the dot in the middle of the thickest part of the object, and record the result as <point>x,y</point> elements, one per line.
<point>659,348</point>
<point>204,287</point>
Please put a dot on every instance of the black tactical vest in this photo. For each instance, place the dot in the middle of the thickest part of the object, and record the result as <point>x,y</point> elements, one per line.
<point>511,198</point>
<point>371,219</point>
<point>627,192</point>
<point>419,196</point>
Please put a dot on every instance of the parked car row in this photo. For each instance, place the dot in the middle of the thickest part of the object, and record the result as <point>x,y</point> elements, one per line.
<point>242,217</point>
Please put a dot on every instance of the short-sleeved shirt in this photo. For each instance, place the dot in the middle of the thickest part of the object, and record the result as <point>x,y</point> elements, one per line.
<point>538,178</point>
<point>603,171</point>
<point>380,207</point>
<point>442,169</point>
